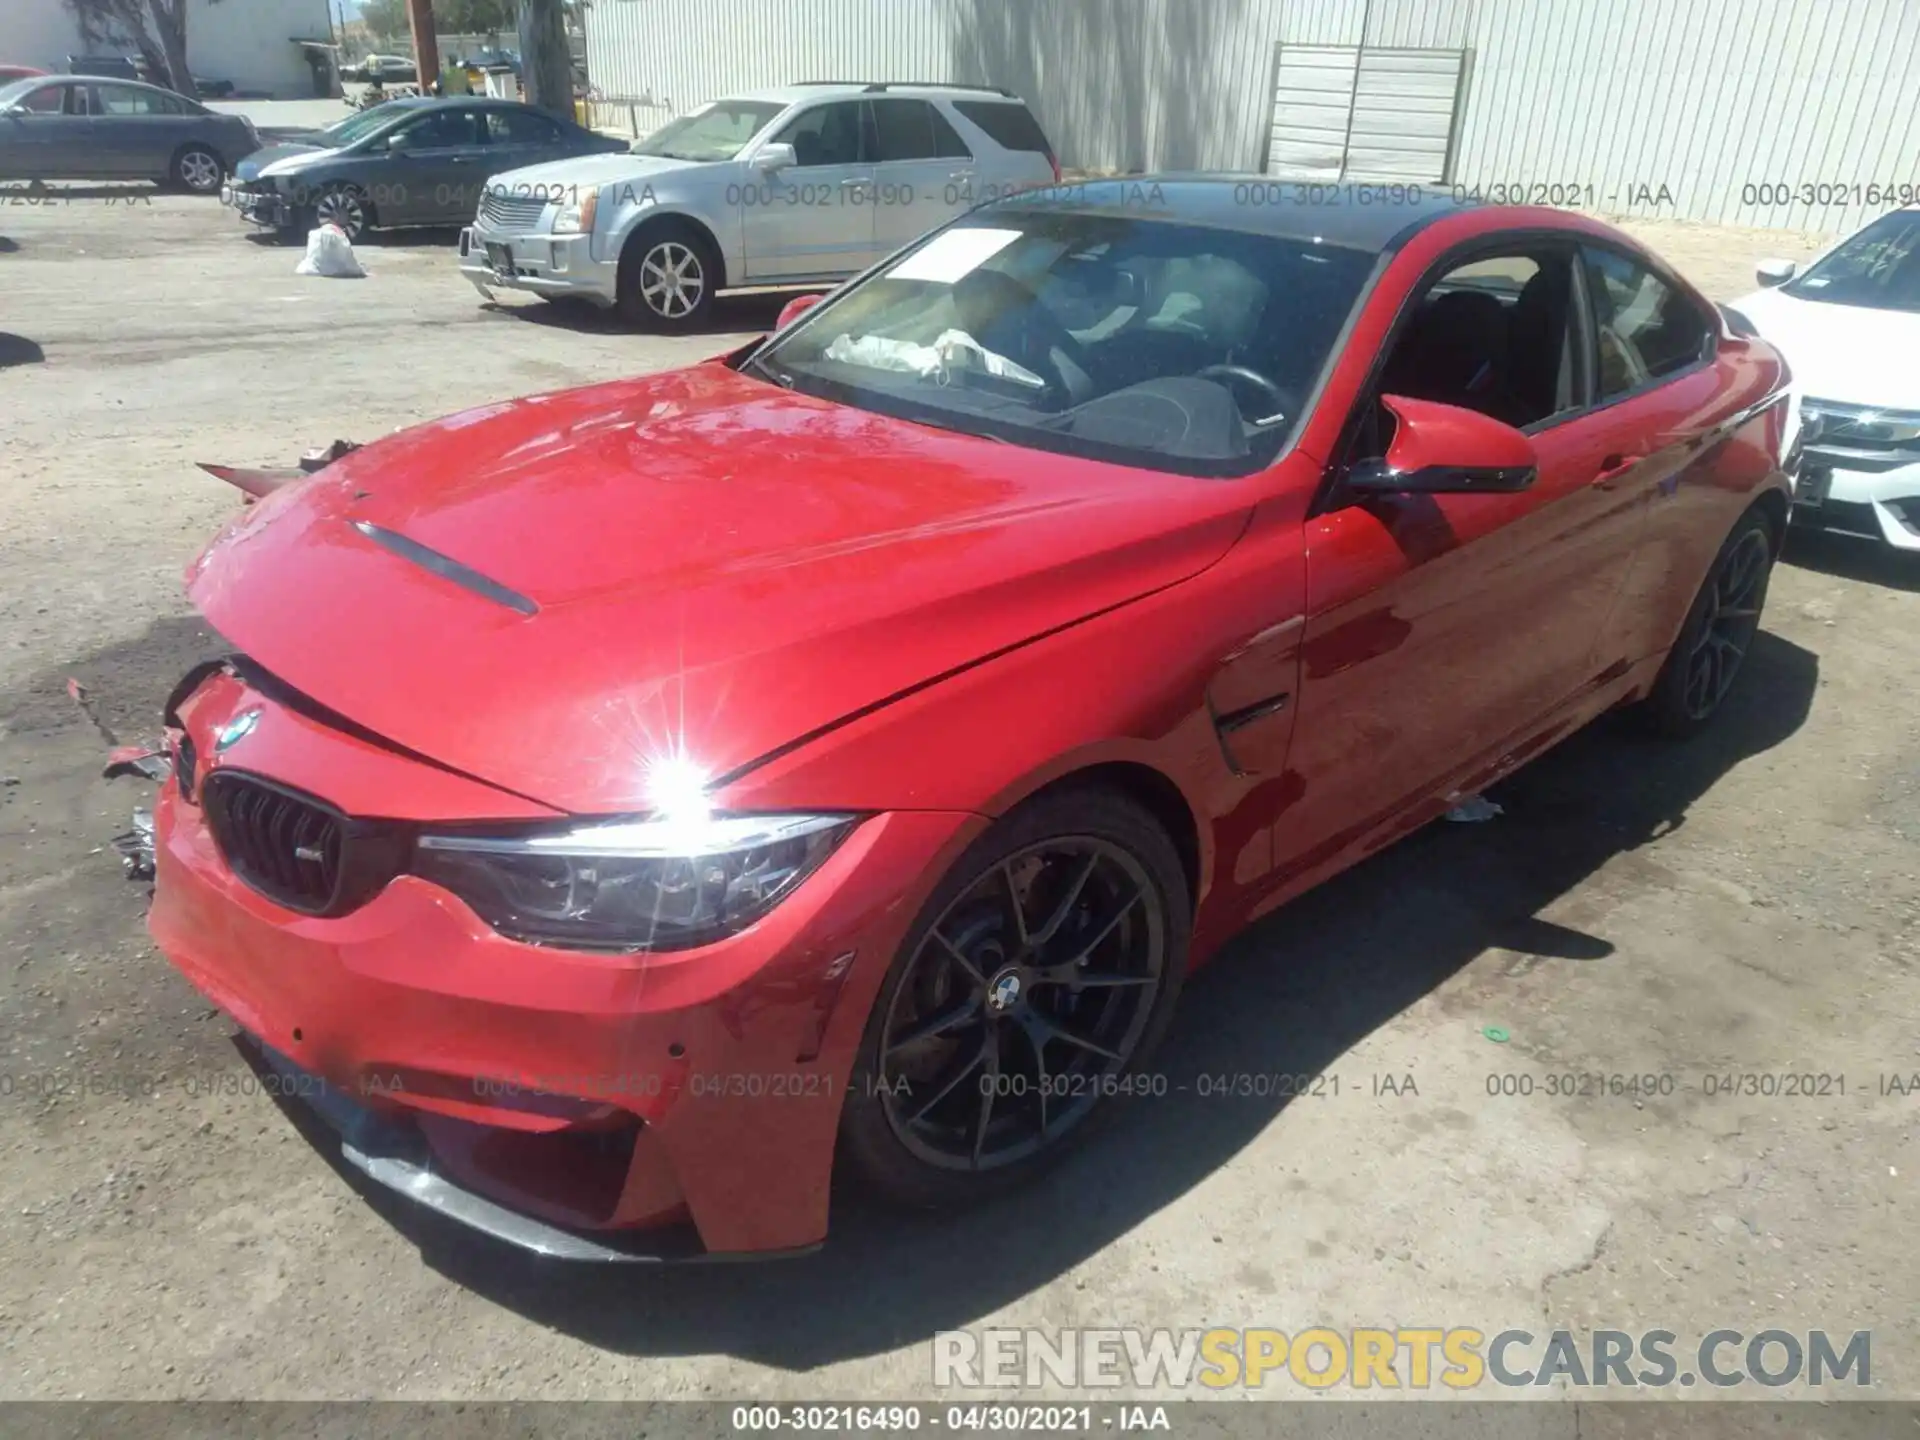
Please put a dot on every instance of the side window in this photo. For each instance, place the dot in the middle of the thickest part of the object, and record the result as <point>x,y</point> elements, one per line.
<point>50,100</point>
<point>125,100</point>
<point>1497,334</point>
<point>1644,328</point>
<point>520,127</point>
<point>1008,123</point>
<point>826,134</point>
<point>442,130</point>
<point>914,130</point>
<point>947,143</point>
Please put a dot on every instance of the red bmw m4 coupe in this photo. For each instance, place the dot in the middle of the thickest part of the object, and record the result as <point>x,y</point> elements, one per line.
<point>625,808</point>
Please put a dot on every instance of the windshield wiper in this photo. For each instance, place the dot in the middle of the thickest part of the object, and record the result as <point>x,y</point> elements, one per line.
<point>766,371</point>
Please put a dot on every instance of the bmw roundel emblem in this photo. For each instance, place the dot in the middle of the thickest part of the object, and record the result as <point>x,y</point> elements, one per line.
<point>1004,993</point>
<point>236,729</point>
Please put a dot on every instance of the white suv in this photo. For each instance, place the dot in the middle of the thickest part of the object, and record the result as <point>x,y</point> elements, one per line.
<point>796,186</point>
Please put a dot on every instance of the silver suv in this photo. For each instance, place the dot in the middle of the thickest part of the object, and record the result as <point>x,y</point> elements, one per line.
<point>796,186</point>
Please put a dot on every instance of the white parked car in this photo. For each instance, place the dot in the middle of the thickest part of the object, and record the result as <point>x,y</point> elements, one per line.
<point>796,186</point>
<point>1849,326</point>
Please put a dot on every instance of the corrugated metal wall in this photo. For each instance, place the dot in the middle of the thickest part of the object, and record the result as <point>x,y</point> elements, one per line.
<point>1694,109</point>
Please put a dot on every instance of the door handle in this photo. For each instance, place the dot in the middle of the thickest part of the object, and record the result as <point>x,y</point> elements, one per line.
<point>1614,468</point>
<point>961,175</point>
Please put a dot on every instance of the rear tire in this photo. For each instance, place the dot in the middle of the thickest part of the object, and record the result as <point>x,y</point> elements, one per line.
<point>1713,643</point>
<point>669,272</point>
<point>984,1012</point>
<point>198,170</point>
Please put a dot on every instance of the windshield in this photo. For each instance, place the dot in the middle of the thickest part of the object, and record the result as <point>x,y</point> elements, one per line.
<point>358,127</point>
<point>15,91</point>
<point>1878,268</point>
<point>713,132</point>
<point>1175,347</point>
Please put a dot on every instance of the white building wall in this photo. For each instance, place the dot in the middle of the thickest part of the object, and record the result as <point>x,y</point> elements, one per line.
<point>245,41</point>
<point>1616,98</point>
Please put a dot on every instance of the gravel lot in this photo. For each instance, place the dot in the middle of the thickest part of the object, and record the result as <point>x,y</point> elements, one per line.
<point>1743,905</point>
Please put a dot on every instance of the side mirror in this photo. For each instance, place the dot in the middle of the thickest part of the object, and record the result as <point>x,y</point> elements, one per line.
<point>769,158</point>
<point>1445,450</point>
<point>1776,272</point>
<point>795,308</point>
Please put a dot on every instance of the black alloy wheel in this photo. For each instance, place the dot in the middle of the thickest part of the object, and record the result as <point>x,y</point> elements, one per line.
<point>1047,972</point>
<point>1718,634</point>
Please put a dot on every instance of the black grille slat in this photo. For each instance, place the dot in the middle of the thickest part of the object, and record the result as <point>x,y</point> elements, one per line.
<point>280,842</point>
<point>261,829</point>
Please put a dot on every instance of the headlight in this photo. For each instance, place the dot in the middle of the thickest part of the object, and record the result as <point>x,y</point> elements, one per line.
<point>655,884</point>
<point>576,214</point>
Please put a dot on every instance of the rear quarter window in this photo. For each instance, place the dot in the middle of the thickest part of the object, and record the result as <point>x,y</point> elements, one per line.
<point>1008,124</point>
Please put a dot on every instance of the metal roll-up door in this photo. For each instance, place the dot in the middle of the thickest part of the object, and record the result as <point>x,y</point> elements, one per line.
<point>1312,103</point>
<point>1373,113</point>
<point>1403,108</point>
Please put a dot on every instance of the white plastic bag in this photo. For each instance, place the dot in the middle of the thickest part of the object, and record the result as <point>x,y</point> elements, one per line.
<point>330,253</point>
<point>927,361</point>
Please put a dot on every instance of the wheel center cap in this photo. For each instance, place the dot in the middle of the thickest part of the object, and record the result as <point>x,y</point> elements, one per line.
<point>1004,991</point>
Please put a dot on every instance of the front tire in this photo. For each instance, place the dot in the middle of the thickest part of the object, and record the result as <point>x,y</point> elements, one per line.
<point>1706,658</point>
<point>1036,983</point>
<point>342,205</point>
<point>198,171</point>
<point>669,272</point>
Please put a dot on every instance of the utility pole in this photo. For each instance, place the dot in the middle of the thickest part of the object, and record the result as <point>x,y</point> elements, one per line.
<point>546,58</point>
<point>426,43</point>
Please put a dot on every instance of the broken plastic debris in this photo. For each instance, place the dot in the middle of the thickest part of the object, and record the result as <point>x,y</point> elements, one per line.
<point>1474,810</point>
<point>1496,1034</point>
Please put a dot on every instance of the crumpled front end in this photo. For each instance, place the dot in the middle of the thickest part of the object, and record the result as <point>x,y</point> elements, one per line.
<point>577,1104</point>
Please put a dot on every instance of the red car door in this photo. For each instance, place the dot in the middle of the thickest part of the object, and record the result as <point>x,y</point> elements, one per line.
<point>1442,631</point>
<point>1668,402</point>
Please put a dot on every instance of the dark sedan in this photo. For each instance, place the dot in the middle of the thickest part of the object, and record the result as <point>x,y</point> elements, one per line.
<point>418,161</point>
<point>66,127</point>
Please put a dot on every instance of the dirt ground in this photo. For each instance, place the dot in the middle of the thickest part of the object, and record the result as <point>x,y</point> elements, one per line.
<point>1745,905</point>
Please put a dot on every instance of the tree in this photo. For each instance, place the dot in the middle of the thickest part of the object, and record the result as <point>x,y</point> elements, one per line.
<point>454,17</point>
<point>546,61</point>
<point>156,28</point>
<point>475,17</point>
<point>385,18</point>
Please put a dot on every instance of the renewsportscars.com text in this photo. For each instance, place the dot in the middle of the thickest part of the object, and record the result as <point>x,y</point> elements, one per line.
<point>1363,1358</point>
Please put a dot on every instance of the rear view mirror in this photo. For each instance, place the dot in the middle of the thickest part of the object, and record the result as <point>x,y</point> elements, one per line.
<point>769,158</point>
<point>1445,450</point>
<point>1776,272</point>
<point>795,308</point>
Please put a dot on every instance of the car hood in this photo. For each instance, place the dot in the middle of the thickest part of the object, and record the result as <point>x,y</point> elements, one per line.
<point>712,565</point>
<point>591,171</point>
<point>1840,352</point>
<point>281,159</point>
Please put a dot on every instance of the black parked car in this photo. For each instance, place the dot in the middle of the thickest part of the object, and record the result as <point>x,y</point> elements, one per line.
<point>418,161</point>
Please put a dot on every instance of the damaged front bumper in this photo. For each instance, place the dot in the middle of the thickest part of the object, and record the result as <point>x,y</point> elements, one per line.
<point>267,208</point>
<point>135,845</point>
<point>608,1108</point>
<point>394,1153</point>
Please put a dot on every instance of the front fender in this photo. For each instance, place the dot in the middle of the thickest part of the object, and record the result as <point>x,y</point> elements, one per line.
<point>648,204</point>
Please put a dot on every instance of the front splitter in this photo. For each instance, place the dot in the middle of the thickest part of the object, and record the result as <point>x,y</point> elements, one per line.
<point>394,1154</point>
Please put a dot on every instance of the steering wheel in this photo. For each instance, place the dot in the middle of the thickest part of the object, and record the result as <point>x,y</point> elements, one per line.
<point>1254,378</point>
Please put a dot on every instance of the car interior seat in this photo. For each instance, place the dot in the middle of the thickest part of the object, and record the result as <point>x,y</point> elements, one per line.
<point>1542,375</point>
